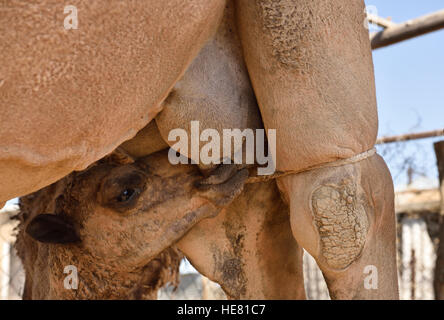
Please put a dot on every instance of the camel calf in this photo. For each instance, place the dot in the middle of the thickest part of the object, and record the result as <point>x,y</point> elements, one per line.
<point>114,221</point>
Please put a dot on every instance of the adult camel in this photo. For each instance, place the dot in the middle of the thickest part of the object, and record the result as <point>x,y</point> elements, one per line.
<point>311,69</point>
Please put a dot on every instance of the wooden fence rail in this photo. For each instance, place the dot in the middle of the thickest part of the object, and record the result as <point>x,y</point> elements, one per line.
<point>411,136</point>
<point>395,33</point>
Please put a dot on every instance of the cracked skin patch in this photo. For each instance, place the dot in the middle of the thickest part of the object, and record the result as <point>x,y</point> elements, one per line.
<point>342,223</point>
<point>290,24</point>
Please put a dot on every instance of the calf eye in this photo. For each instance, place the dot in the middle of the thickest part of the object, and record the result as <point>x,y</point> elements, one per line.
<point>121,189</point>
<point>128,194</point>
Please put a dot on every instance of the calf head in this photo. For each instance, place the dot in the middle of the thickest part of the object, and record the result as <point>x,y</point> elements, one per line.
<point>113,222</point>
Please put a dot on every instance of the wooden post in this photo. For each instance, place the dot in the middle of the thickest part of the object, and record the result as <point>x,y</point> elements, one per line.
<point>411,136</point>
<point>379,21</point>
<point>439,266</point>
<point>408,30</point>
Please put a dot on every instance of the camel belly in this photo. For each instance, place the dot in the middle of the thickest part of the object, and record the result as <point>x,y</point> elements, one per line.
<point>215,91</point>
<point>69,97</point>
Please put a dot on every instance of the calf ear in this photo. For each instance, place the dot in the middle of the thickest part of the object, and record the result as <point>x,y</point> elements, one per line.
<point>50,228</point>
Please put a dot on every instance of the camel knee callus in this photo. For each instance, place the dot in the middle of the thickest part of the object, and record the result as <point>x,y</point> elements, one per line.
<point>344,217</point>
<point>342,222</point>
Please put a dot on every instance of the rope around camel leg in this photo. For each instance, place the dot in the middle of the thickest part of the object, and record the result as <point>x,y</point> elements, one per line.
<point>342,162</point>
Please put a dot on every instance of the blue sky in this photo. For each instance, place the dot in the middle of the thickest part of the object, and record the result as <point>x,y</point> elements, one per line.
<point>410,87</point>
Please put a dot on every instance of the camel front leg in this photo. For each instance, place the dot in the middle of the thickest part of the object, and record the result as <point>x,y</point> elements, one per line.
<point>344,218</point>
<point>310,64</point>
